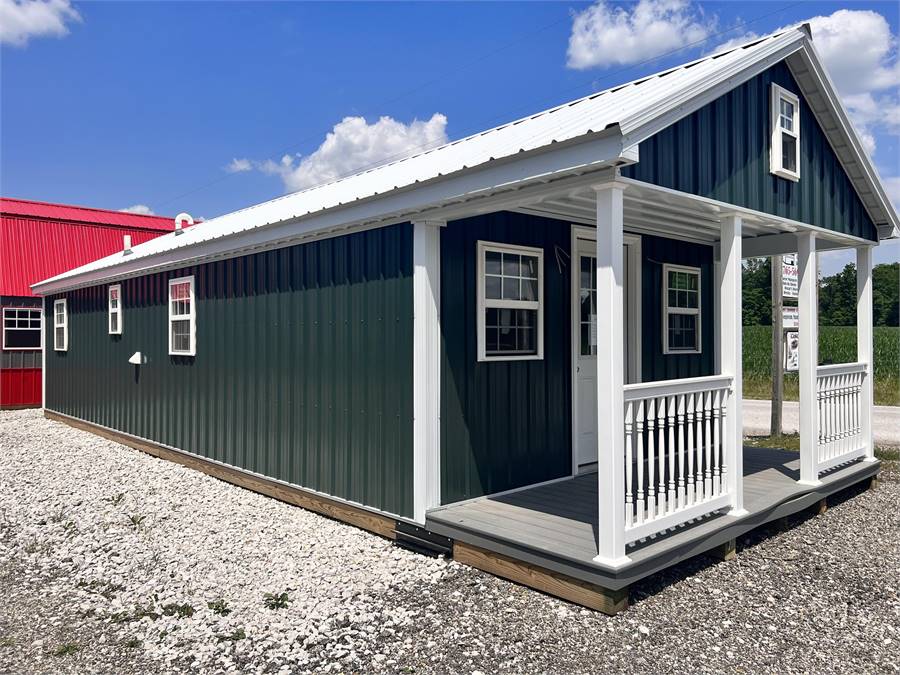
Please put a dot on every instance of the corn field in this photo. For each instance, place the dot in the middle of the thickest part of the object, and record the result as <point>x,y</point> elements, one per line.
<point>837,344</point>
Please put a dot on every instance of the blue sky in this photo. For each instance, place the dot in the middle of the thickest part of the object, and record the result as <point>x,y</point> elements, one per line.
<point>212,106</point>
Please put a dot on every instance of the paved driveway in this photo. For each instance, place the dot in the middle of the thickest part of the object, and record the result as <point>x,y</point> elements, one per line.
<point>757,414</point>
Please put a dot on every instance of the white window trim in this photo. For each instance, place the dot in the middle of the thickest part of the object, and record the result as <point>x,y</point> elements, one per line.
<point>41,329</point>
<point>775,167</point>
<point>191,316</point>
<point>484,303</point>
<point>64,325</point>
<point>117,310</point>
<point>666,310</point>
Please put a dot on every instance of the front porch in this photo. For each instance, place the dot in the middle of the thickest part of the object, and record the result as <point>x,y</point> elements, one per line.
<point>554,526</point>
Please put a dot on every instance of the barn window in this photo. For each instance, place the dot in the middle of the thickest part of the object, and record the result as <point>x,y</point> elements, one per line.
<point>182,317</point>
<point>510,302</point>
<point>785,146</point>
<point>60,326</point>
<point>681,310</point>
<point>21,328</point>
<point>115,309</point>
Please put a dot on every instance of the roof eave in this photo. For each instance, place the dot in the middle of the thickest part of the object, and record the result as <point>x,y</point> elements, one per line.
<point>603,148</point>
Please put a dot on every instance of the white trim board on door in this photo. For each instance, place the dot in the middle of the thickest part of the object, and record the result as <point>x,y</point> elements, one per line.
<point>632,300</point>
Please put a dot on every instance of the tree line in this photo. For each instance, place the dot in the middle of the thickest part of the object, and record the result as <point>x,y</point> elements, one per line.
<point>837,295</point>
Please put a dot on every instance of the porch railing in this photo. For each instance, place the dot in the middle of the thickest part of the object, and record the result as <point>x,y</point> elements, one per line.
<point>675,469</point>
<point>838,399</point>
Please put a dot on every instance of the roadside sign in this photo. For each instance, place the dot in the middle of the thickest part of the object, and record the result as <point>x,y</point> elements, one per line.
<point>792,351</point>
<point>789,279</point>
<point>790,318</point>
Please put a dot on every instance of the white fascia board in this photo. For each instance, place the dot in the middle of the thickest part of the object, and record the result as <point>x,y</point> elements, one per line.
<point>839,115</point>
<point>653,120</point>
<point>546,163</point>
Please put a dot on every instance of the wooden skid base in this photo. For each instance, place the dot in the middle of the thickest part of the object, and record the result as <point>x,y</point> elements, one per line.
<point>553,583</point>
<point>726,551</point>
<point>821,506</point>
<point>367,520</point>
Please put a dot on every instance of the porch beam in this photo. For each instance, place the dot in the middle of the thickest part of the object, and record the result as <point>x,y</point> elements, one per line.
<point>730,355</point>
<point>610,376</point>
<point>785,242</point>
<point>809,358</point>
<point>426,366</point>
<point>865,320</point>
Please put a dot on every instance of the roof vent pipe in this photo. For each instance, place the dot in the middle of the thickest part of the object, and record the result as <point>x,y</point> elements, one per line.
<point>182,218</point>
<point>126,244</point>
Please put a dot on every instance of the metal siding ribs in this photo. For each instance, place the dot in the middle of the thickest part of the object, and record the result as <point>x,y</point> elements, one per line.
<point>303,370</point>
<point>727,144</point>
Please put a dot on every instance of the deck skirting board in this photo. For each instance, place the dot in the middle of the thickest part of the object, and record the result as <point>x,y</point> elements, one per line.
<point>547,581</point>
<point>373,522</point>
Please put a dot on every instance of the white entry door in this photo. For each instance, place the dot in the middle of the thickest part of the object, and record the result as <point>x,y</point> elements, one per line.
<point>585,313</point>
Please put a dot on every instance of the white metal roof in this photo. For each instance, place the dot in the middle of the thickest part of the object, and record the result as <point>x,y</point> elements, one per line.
<point>629,112</point>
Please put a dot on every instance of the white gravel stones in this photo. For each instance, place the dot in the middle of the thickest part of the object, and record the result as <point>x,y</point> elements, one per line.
<point>107,549</point>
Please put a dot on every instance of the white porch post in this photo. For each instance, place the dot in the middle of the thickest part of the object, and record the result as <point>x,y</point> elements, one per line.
<point>865,320</point>
<point>426,366</point>
<point>610,375</point>
<point>731,355</point>
<point>809,358</point>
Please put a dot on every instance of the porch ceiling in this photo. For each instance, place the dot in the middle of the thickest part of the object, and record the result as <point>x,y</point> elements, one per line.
<point>654,210</point>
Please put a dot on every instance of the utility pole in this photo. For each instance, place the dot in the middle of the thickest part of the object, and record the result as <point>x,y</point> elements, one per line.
<point>777,343</point>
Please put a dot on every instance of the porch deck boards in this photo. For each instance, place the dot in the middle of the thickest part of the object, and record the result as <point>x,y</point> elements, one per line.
<point>555,525</point>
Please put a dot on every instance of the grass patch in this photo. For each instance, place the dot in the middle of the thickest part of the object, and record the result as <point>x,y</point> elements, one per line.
<point>783,442</point>
<point>115,499</point>
<point>219,606</point>
<point>136,520</point>
<point>182,611</point>
<point>67,649</point>
<point>234,636</point>
<point>276,600</point>
<point>133,643</point>
<point>7,642</point>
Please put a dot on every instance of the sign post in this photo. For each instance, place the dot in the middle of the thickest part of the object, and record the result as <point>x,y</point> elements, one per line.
<point>777,338</point>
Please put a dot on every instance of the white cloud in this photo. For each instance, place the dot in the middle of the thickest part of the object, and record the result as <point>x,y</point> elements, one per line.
<point>239,165</point>
<point>603,35</point>
<point>892,185</point>
<point>860,53</point>
<point>353,145</point>
<point>141,209</point>
<point>21,20</point>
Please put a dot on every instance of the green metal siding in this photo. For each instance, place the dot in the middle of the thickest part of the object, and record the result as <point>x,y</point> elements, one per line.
<point>722,152</point>
<point>657,251</point>
<point>507,423</point>
<point>303,370</point>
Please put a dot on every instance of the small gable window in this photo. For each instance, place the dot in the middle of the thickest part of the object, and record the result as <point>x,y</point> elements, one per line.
<point>785,147</point>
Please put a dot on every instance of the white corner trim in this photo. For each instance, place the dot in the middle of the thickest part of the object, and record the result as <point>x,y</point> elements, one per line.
<point>426,367</point>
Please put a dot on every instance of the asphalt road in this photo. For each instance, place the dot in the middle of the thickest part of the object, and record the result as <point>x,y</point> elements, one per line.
<point>757,414</point>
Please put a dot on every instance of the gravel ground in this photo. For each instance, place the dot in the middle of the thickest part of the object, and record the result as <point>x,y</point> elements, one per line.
<point>114,562</point>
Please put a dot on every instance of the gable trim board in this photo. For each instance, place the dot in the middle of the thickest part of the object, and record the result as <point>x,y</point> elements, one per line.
<point>563,141</point>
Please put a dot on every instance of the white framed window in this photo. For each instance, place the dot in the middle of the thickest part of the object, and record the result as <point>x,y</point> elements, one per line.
<point>60,326</point>
<point>785,146</point>
<point>182,317</point>
<point>22,328</point>
<point>681,310</point>
<point>510,302</point>
<point>115,309</point>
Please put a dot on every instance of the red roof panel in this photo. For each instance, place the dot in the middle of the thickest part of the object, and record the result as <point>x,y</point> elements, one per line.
<point>40,240</point>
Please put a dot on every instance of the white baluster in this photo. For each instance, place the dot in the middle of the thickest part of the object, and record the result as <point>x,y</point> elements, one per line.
<point>651,459</point>
<point>690,495</point>
<point>707,446</point>
<point>718,406</point>
<point>671,451</point>
<point>682,492</point>
<point>639,429</point>
<point>629,505</point>
<point>661,452</point>
<point>725,468</point>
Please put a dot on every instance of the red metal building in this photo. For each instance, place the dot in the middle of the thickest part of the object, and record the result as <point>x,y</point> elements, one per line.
<point>39,240</point>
